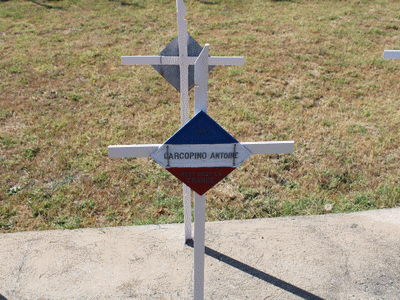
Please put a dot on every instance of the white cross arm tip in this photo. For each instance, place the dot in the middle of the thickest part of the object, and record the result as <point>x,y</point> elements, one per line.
<point>269,147</point>
<point>225,61</point>
<point>129,151</point>
<point>391,54</point>
<point>150,60</point>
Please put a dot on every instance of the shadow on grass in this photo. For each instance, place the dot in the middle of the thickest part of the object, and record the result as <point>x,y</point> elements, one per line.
<point>46,5</point>
<point>128,3</point>
<point>132,4</point>
<point>209,2</point>
<point>259,274</point>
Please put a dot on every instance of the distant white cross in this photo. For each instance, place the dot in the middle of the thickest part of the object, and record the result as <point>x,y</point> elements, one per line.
<point>200,94</point>
<point>183,60</point>
<point>391,54</point>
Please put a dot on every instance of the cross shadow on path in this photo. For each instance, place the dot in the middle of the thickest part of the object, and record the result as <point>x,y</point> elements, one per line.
<point>2,297</point>
<point>259,274</point>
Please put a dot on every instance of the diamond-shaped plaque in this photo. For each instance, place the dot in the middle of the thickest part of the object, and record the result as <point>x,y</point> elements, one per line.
<point>201,153</point>
<point>171,73</point>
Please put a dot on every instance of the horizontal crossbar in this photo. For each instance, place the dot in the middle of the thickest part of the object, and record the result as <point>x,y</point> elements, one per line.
<point>391,54</point>
<point>130,151</point>
<point>174,60</point>
<point>269,147</point>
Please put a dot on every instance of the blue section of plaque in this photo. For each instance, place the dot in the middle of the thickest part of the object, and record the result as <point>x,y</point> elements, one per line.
<point>201,129</point>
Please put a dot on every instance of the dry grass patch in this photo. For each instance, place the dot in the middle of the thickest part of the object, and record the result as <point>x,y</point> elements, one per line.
<point>313,73</point>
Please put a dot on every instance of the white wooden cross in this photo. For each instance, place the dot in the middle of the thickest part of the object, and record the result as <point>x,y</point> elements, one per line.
<point>201,81</point>
<point>391,54</point>
<point>183,60</point>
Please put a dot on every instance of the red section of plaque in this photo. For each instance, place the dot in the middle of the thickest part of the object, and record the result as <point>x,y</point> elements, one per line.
<point>200,179</point>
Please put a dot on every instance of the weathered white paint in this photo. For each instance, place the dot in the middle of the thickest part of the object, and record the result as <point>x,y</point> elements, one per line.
<point>149,60</point>
<point>199,244</point>
<point>182,32</point>
<point>130,151</point>
<point>226,61</point>
<point>183,65</point>
<point>201,81</point>
<point>174,60</point>
<point>201,155</point>
<point>391,54</point>
<point>269,147</point>
<point>184,89</point>
<point>187,211</point>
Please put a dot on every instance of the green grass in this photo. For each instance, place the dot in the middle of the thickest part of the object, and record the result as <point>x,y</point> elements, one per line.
<point>313,74</point>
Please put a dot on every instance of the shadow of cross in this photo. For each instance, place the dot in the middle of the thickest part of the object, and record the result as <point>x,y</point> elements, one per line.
<point>175,64</point>
<point>259,274</point>
<point>201,141</point>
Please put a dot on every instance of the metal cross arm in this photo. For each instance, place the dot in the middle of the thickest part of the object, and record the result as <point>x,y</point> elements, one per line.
<point>391,54</point>
<point>131,151</point>
<point>175,60</point>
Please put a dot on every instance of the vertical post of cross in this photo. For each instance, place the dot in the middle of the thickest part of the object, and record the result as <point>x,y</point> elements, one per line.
<point>201,81</point>
<point>184,87</point>
<point>183,64</point>
<point>199,244</point>
<point>200,103</point>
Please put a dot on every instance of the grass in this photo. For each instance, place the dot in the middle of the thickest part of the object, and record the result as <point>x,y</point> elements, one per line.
<point>313,73</point>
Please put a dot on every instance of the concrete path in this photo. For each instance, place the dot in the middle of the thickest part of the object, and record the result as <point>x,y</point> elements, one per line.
<point>343,256</point>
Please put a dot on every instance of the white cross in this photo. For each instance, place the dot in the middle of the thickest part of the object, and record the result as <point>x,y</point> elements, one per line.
<point>391,54</point>
<point>200,94</point>
<point>183,60</point>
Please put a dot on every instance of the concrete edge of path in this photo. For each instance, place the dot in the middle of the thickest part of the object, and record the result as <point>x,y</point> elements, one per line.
<point>335,256</point>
